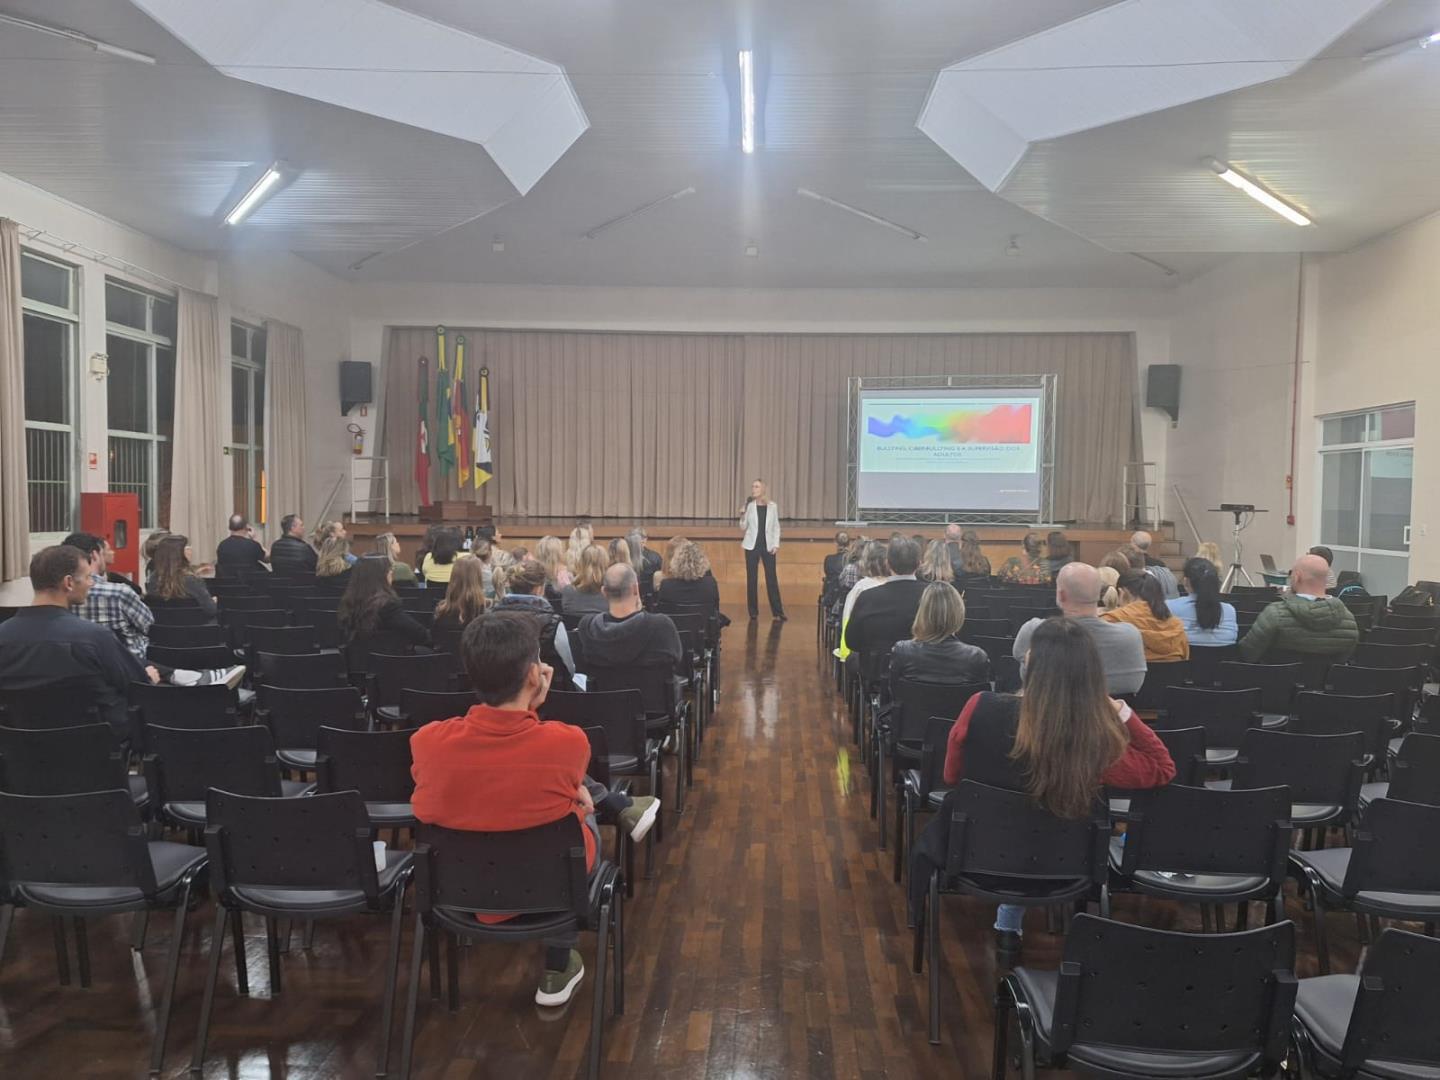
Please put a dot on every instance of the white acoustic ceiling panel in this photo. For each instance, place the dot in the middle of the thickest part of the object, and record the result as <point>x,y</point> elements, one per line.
<point>1125,60</point>
<point>377,59</point>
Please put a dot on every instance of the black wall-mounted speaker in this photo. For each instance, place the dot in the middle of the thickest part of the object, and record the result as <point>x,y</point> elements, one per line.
<point>1162,388</point>
<point>355,385</point>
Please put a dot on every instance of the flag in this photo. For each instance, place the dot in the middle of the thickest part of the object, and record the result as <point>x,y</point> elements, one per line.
<point>480,431</point>
<point>422,441</point>
<point>461,413</point>
<point>444,420</point>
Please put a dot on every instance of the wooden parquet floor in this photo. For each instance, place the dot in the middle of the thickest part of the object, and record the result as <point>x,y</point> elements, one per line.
<point>771,943</point>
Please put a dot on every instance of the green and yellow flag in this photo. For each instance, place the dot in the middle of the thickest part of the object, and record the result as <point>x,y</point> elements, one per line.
<point>444,416</point>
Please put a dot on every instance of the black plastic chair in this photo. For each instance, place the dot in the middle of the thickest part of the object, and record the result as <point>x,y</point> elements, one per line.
<point>389,675</point>
<point>1187,751</point>
<point>67,761</point>
<point>666,712</point>
<point>898,737</point>
<point>1206,846</point>
<point>1392,871</point>
<point>544,885</point>
<point>1414,773</point>
<point>78,856</point>
<point>1205,661</point>
<point>304,671</point>
<point>182,766</point>
<point>976,627</point>
<point>185,637</point>
<point>421,707</point>
<point>297,859</point>
<point>192,707</point>
<point>1403,682</point>
<point>1334,714</point>
<point>283,640</point>
<point>447,639</point>
<point>186,615</point>
<point>56,706</point>
<point>1412,622</point>
<point>922,789</point>
<point>295,718</point>
<point>997,648</point>
<point>1323,773</point>
<point>1379,1022</point>
<point>1006,848</point>
<point>1224,714</point>
<point>1159,677</point>
<point>1401,635</point>
<point>377,765</point>
<point>1371,654</point>
<point>1132,1002</point>
<point>1278,683</point>
<point>241,597</point>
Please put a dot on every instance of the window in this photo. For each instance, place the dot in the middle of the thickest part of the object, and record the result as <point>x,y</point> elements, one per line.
<point>49,327</point>
<point>140,395</point>
<point>1366,472</point>
<point>247,420</point>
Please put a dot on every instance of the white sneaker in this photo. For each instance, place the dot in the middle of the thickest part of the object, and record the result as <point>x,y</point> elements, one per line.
<point>230,676</point>
<point>639,816</point>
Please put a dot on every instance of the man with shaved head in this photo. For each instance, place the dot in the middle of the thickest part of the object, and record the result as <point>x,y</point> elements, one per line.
<point>1304,621</point>
<point>626,635</point>
<point>1122,652</point>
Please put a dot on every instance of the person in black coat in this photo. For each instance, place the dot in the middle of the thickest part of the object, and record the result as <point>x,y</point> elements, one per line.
<point>371,615</point>
<point>291,554</point>
<point>934,654</point>
<point>884,615</point>
<point>835,561</point>
<point>689,581</point>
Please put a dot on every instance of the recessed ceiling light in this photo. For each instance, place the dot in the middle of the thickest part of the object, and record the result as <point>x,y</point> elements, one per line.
<point>904,230</point>
<point>752,250</point>
<point>497,245</point>
<point>1261,194</point>
<point>1403,46</point>
<point>747,101</point>
<point>1012,249</point>
<point>257,194</point>
<point>79,38</point>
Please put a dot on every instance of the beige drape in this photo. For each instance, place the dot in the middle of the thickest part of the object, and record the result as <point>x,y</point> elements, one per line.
<point>285,440</point>
<point>14,492</point>
<point>676,425</point>
<point>198,502</point>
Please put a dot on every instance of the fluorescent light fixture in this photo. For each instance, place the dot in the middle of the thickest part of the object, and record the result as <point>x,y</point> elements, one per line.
<point>747,101</point>
<point>598,229</point>
<point>252,198</point>
<point>79,38</point>
<point>497,245</point>
<point>875,218</point>
<point>1264,196</point>
<point>752,250</point>
<point>1403,46</point>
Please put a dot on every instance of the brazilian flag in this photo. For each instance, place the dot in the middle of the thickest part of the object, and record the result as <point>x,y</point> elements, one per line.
<point>444,412</point>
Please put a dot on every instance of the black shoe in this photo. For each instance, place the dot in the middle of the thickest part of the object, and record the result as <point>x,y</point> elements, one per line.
<point>1007,949</point>
<point>779,616</point>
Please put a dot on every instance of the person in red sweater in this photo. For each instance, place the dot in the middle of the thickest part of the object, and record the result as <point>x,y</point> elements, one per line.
<point>1062,739</point>
<point>500,767</point>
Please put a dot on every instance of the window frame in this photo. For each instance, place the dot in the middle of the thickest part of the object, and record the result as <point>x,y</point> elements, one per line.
<point>70,320</point>
<point>156,513</point>
<point>255,509</point>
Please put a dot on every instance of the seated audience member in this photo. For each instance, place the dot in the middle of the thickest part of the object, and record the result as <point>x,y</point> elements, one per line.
<point>1132,555</point>
<point>387,545</point>
<point>1329,557</point>
<point>291,554</point>
<point>648,563</point>
<point>688,579</point>
<point>671,547</point>
<point>1058,552</point>
<point>836,559</point>
<point>500,768</point>
<point>147,553</point>
<point>335,560</point>
<point>874,568</point>
<point>1304,620</point>
<point>464,597</point>
<point>1058,740</point>
<point>525,591</point>
<point>581,537</point>
<point>1142,605</point>
<point>1170,588</point>
<point>851,570</point>
<point>440,559</point>
<point>1206,619</point>
<point>974,567</point>
<point>113,576</point>
<point>370,615</point>
<point>625,634</point>
<point>239,553</point>
<point>1210,551</point>
<point>619,551</point>
<point>1109,587</point>
<point>427,542</point>
<point>935,566</point>
<point>933,653</point>
<point>1122,652</point>
<point>172,577</point>
<point>884,614</point>
<point>48,647</point>
<point>498,562</point>
<point>585,595</point>
<point>1029,567</point>
<point>550,553</point>
<point>519,554</point>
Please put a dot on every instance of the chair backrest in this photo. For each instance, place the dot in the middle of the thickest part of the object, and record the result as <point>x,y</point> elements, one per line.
<point>1318,713</point>
<point>447,639</point>
<point>242,598</point>
<point>58,706</point>
<point>188,615</point>
<point>1403,682</point>
<point>1416,611</point>
<point>1131,987</point>
<point>94,838</point>
<point>1278,683</point>
<point>1198,830</point>
<point>1224,714</point>
<point>200,658</point>
<point>1314,667</point>
<point>392,674</point>
<point>420,707</point>
<point>692,621</point>
<point>1395,849</point>
<point>620,713</point>
<point>997,648</point>
<point>181,765</point>
<point>1370,654</point>
<point>212,706</point>
<point>1411,622</point>
<point>980,627</point>
<point>1158,678</point>
<point>304,671</point>
<point>1398,993</point>
<point>295,717</point>
<point>374,763</point>
<point>185,637</point>
<point>527,871</point>
<point>284,640</point>
<point>916,702</point>
<point>933,745</point>
<point>1415,772</point>
<point>1001,833</point>
<point>656,684</point>
<point>320,842</point>
<point>1401,635</point>
<point>1187,751</point>
<point>1316,768</point>
<point>61,761</point>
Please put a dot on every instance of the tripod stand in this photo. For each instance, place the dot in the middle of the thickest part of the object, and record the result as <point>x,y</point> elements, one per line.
<point>1244,514</point>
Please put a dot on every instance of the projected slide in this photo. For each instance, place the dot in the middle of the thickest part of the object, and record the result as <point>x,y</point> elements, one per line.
<point>948,450</point>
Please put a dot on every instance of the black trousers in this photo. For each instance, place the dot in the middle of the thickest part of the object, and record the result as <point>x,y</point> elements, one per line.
<point>753,557</point>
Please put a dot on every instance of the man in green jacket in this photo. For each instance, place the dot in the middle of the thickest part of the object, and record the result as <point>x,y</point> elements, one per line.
<point>1304,621</point>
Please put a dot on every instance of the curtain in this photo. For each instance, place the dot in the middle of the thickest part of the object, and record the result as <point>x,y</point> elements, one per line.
<point>676,425</point>
<point>285,449</point>
<point>198,502</point>
<point>14,491</point>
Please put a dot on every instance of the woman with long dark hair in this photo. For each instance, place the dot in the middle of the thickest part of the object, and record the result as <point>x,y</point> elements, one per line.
<point>1206,618</point>
<point>172,577</point>
<point>1058,551</point>
<point>1062,739</point>
<point>973,564</point>
<point>1143,606</point>
<point>371,616</point>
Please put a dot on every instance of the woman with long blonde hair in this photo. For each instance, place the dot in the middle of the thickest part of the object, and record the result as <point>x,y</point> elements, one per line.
<point>583,596</point>
<point>935,566</point>
<point>581,537</point>
<point>550,553</point>
<point>760,524</point>
<point>689,581</point>
<point>334,558</point>
<point>388,545</point>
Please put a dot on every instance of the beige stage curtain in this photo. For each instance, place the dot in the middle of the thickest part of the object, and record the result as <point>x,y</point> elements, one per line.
<point>676,425</point>
<point>14,492</point>
<point>285,443</point>
<point>198,503</point>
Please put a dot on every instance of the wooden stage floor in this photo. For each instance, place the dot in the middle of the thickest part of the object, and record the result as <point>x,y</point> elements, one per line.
<point>770,944</point>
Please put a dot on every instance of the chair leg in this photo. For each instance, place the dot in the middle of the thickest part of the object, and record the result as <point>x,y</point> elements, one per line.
<point>933,916</point>
<point>172,971</point>
<point>917,940</point>
<point>212,975</point>
<point>7,916</point>
<point>272,941</point>
<point>434,959</point>
<point>1242,915</point>
<point>625,857</point>
<point>1322,947</point>
<point>309,934</point>
<point>62,950</point>
<point>617,949</point>
<point>1220,918</point>
<point>452,971</point>
<point>139,927</point>
<point>597,1010</point>
<point>1205,919</point>
<point>82,951</point>
<point>392,976</point>
<point>902,814</point>
<point>412,994</point>
<point>1002,1032</point>
<point>880,786</point>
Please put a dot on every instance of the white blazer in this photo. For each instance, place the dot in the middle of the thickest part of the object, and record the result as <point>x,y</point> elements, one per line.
<point>750,522</point>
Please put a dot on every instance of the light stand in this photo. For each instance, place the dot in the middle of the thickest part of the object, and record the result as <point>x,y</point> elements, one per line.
<point>1244,514</point>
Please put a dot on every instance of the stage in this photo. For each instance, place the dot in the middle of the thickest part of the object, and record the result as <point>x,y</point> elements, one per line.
<point>803,544</point>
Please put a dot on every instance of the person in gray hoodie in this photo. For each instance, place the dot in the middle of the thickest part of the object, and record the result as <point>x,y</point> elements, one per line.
<point>627,635</point>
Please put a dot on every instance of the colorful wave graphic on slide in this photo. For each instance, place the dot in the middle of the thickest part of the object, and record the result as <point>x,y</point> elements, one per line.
<point>993,424</point>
